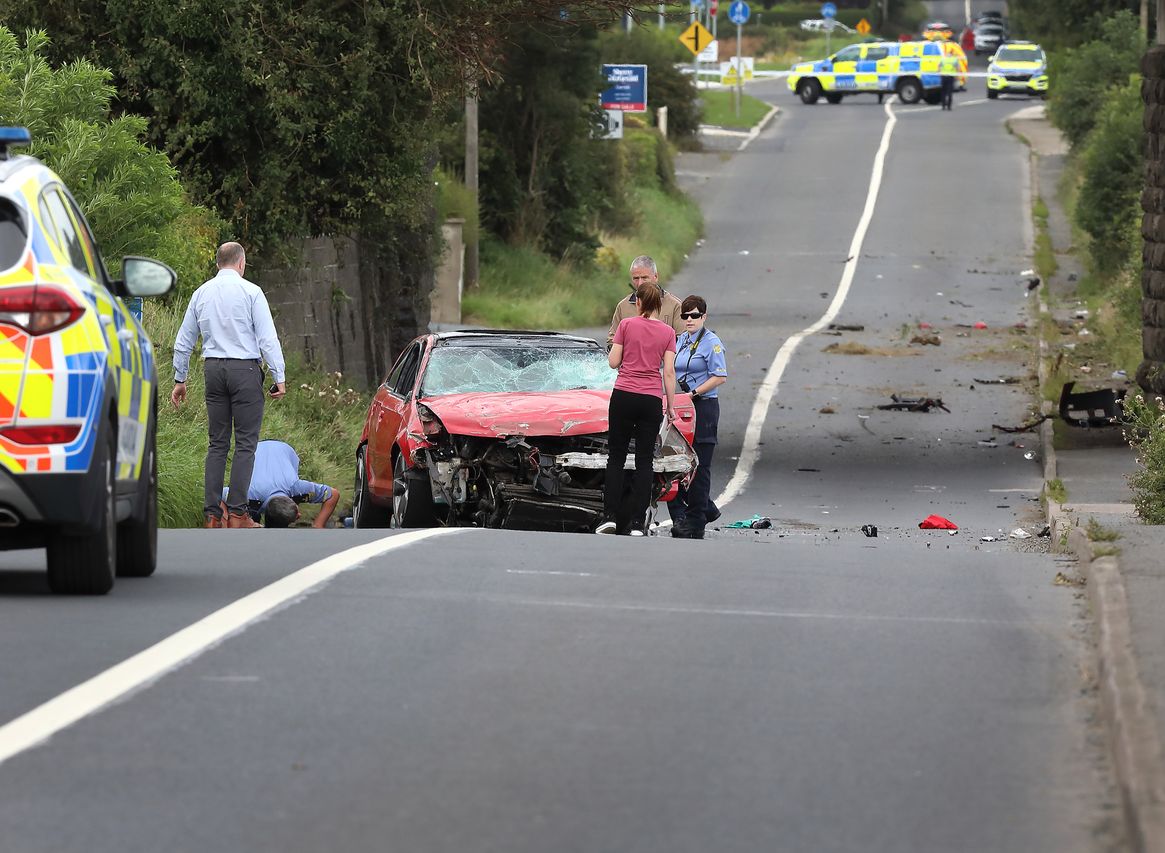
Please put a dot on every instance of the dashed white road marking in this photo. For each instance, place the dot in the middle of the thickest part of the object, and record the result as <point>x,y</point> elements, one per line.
<point>44,721</point>
<point>540,572</point>
<point>750,451</point>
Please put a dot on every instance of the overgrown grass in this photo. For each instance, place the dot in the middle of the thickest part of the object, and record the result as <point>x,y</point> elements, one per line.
<point>523,289</point>
<point>1056,491</point>
<point>1097,532</point>
<point>1045,253</point>
<point>320,417</point>
<point>720,108</point>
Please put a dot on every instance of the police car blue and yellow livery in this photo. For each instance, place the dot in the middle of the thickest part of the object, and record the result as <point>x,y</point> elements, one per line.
<point>1018,67</point>
<point>77,388</point>
<point>911,70</point>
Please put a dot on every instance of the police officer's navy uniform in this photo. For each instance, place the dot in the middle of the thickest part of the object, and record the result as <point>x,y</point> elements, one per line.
<point>699,356</point>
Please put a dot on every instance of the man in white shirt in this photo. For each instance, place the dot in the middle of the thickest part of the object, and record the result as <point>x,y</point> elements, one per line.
<point>232,317</point>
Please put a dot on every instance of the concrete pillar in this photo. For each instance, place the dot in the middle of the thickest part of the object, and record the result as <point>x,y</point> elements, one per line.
<point>450,279</point>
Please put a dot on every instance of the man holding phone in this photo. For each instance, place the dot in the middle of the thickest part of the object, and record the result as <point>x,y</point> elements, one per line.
<point>232,317</point>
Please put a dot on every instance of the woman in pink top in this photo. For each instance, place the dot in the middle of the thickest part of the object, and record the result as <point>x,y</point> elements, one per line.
<point>641,346</point>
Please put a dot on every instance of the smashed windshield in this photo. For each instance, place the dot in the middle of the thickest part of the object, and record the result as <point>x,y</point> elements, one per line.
<point>515,367</point>
<point>1013,54</point>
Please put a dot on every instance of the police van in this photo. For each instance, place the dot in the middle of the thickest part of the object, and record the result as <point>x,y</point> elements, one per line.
<point>910,70</point>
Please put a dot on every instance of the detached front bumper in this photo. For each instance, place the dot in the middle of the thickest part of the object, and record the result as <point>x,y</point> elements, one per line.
<point>1018,83</point>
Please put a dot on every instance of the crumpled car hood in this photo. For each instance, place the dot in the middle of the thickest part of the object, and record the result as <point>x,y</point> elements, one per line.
<point>562,413</point>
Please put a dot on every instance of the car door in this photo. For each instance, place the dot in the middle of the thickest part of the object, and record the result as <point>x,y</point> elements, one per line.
<point>870,65</point>
<point>388,407</point>
<point>845,67</point>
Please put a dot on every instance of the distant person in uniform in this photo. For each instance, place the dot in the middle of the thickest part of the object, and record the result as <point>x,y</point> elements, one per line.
<point>701,368</point>
<point>643,271</point>
<point>949,67</point>
<point>276,490</point>
<point>642,345</point>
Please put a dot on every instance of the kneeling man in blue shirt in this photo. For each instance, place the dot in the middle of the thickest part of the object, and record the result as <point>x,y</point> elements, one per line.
<point>276,489</point>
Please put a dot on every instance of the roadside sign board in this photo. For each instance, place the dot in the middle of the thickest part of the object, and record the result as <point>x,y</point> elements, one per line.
<point>863,27</point>
<point>696,37</point>
<point>626,88</point>
<point>738,12</point>
<point>730,72</point>
<point>614,124</point>
<point>711,53</point>
<point>828,10</point>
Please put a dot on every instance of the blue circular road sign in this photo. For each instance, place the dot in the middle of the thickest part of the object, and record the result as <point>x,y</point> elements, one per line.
<point>738,12</point>
<point>828,10</point>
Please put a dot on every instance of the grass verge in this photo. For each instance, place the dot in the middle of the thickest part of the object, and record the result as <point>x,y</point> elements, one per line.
<point>1056,491</point>
<point>720,108</point>
<point>523,289</point>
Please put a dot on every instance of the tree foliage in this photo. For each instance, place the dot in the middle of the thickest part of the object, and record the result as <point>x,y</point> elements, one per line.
<point>1112,172</point>
<point>1065,23</point>
<point>667,87</point>
<point>130,193</point>
<point>1085,77</point>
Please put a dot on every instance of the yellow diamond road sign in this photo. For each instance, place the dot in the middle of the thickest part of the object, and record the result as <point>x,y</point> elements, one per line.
<point>696,38</point>
<point>863,27</point>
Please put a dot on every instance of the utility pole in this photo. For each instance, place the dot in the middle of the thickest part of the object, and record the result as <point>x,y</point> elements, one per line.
<point>1145,18</point>
<point>471,258</point>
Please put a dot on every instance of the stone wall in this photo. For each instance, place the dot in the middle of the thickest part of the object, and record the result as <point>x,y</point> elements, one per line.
<point>348,306</point>
<point>1151,373</point>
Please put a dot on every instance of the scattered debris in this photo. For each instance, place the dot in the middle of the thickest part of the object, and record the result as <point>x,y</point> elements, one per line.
<point>1083,333</point>
<point>827,410</point>
<point>1019,533</point>
<point>979,324</point>
<point>1120,374</point>
<point>870,530</point>
<point>1045,531</point>
<point>810,470</point>
<point>922,324</point>
<point>937,522</point>
<point>757,522</point>
<point>1100,408</point>
<point>913,404</point>
<point>961,304</point>
<point>1062,579</point>
<point>987,442</point>
<point>988,539</point>
<point>855,348</point>
<point>927,340</point>
<point>1031,454</point>
<point>1030,278</point>
<point>847,327</point>
<point>743,251</point>
<point>1002,380</point>
<point>1028,427</point>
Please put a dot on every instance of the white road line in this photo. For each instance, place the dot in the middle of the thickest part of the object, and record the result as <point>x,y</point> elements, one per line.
<point>44,721</point>
<point>750,451</point>
<point>540,572</point>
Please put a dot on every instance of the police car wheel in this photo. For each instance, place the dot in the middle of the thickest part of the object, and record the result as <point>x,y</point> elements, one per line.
<point>909,91</point>
<point>992,94</point>
<point>833,97</point>
<point>137,538</point>
<point>86,564</point>
<point>810,91</point>
<point>366,514</point>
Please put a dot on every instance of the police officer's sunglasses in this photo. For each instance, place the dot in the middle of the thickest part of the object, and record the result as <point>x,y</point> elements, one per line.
<point>691,315</point>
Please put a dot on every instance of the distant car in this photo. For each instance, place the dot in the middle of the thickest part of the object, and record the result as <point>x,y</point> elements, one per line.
<point>499,429</point>
<point>993,16</point>
<point>988,38</point>
<point>938,31</point>
<point>1018,67</point>
<point>78,388</point>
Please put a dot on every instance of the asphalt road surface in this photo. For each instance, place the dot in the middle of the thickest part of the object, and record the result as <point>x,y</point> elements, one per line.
<point>805,688</point>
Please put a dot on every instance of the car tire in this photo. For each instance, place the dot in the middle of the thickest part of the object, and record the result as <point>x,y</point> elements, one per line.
<point>365,513</point>
<point>992,94</point>
<point>137,538</point>
<point>412,499</point>
<point>87,564</point>
<point>909,91</point>
<point>833,97</point>
<point>933,98</point>
<point>809,91</point>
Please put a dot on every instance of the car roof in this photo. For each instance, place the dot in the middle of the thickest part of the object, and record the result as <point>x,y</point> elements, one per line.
<point>472,337</point>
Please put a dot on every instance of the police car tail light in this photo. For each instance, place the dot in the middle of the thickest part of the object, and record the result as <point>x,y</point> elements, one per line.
<point>42,433</point>
<point>38,308</point>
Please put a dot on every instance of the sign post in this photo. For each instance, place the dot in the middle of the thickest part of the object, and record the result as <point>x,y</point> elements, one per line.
<point>738,13</point>
<point>828,13</point>
<point>695,38</point>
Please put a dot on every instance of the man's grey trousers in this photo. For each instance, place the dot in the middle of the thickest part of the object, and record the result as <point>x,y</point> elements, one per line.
<point>234,402</point>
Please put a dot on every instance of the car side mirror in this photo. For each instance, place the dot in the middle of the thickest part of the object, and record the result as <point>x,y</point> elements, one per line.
<point>146,277</point>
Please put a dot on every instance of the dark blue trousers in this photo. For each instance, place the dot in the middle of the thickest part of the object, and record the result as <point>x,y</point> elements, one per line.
<point>690,506</point>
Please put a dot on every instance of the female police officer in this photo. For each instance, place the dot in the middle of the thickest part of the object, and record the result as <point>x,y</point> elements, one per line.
<point>700,371</point>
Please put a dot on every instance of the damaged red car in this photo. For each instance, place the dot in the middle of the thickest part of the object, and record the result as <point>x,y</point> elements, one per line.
<point>499,429</point>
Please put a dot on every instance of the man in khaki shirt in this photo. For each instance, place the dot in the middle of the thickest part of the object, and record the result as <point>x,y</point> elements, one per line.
<point>643,269</point>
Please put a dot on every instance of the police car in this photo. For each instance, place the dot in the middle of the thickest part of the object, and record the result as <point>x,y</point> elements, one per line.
<point>908,69</point>
<point>78,390</point>
<point>1018,67</point>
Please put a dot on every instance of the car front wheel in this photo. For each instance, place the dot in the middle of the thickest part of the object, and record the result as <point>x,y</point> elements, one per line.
<point>412,498</point>
<point>810,91</point>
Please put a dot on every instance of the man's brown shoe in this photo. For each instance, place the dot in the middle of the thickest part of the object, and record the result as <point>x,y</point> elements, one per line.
<point>242,521</point>
<point>213,522</point>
